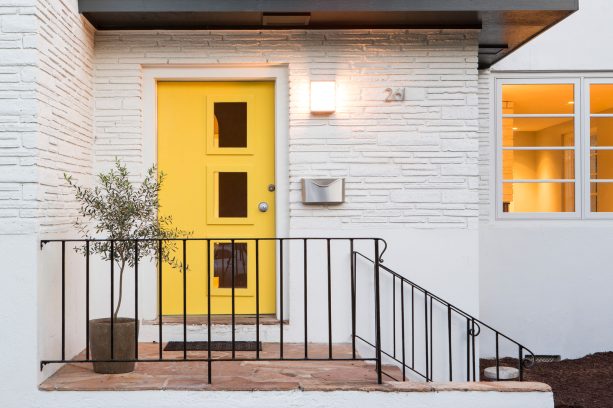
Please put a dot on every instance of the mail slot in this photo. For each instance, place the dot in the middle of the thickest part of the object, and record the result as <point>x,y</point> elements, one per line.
<point>323,191</point>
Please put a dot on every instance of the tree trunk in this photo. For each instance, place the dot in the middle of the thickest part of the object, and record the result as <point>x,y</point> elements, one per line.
<point>122,267</point>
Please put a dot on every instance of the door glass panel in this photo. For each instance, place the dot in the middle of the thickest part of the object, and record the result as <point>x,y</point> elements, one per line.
<point>601,98</point>
<point>538,98</point>
<point>232,194</point>
<point>540,197</point>
<point>230,124</point>
<point>223,265</point>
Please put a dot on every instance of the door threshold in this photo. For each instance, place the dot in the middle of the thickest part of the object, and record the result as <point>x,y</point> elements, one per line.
<point>201,320</point>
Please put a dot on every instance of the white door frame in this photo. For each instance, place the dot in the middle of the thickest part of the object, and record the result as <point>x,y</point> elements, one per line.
<point>225,72</point>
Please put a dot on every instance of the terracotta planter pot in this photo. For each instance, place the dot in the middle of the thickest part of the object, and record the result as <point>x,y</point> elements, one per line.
<point>124,338</point>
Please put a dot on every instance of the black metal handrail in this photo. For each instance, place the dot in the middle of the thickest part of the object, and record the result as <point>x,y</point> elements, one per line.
<point>474,327</point>
<point>279,245</point>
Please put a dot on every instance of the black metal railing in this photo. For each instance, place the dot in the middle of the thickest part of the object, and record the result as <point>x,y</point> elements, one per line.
<point>407,301</point>
<point>393,334</point>
<point>303,245</point>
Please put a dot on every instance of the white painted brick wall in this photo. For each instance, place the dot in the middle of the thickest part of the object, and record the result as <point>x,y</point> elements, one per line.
<point>46,58</point>
<point>18,107</point>
<point>485,144</point>
<point>407,164</point>
<point>65,119</point>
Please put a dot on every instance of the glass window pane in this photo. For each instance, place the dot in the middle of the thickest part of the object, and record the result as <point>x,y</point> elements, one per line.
<point>222,271</point>
<point>601,131</point>
<point>537,98</point>
<point>539,197</point>
<point>531,132</point>
<point>230,124</point>
<point>232,194</point>
<point>601,164</point>
<point>601,98</point>
<point>538,164</point>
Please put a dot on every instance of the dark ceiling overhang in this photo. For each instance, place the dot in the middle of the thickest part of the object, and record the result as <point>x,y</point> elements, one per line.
<point>505,24</point>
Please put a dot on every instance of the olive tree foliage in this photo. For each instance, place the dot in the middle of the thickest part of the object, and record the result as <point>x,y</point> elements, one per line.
<point>119,210</point>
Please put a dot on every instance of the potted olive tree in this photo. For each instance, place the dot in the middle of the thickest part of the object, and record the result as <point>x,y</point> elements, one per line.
<point>119,210</point>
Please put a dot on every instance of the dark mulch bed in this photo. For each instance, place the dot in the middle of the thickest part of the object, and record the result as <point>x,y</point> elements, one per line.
<point>586,382</point>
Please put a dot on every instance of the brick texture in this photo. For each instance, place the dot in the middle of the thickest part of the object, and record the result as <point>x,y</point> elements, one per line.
<point>407,164</point>
<point>46,113</point>
<point>18,108</point>
<point>485,144</point>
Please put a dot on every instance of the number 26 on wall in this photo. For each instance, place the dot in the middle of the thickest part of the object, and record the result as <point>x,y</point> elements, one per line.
<point>395,95</point>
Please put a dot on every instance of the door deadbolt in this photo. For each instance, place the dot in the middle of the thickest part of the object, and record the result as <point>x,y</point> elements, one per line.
<point>271,187</point>
<point>263,206</point>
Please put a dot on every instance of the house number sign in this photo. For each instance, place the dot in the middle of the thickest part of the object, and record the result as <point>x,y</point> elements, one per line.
<point>395,95</point>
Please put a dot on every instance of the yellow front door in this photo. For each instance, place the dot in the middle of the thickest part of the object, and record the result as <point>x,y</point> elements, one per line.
<point>216,147</point>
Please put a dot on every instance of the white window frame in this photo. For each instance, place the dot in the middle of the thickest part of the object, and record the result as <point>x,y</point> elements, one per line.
<point>586,131</point>
<point>576,82</point>
<point>582,81</point>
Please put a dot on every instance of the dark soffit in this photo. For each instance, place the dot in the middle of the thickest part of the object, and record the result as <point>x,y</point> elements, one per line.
<point>505,24</point>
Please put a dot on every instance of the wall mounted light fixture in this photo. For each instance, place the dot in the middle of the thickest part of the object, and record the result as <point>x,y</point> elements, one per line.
<point>323,96</point>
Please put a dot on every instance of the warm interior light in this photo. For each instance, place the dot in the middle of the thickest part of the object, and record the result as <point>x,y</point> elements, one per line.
<point>515,128</point>
<point>571,102</point>
<point>323,96</point>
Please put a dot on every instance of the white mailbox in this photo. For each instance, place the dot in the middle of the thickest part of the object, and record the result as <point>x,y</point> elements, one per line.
<point>323,191</point>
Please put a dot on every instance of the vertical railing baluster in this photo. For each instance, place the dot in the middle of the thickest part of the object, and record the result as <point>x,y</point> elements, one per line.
<point>353,295</point>
<point>160,261</point>
<point>184,299</point>
<point>64,301</point>
<point>426,335</point>
<point>474,349</point>
<point>329,299</point>
<point>306,300</point>
<point>378,314</point>
<point>467,349</point>
<point>257,299</point>
<point>136,299</point>
<point>521,363</point>
<point>394,315</point>
<point>87,283</point>
<point>497,360</point>
<point>404,366</point>
<point>431,341</point>
<point>233,304</point>
<point>281,290</point>
<point>412,327</point>
<point>112,298</point>
<point>208,309</point>
<point>449,341</point>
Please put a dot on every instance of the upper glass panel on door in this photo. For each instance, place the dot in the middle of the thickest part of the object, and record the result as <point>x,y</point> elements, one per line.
<point>230,124</point>
<point>533,99</point>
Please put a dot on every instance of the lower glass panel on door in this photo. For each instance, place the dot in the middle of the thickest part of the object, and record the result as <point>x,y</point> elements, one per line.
<point>224,266</point>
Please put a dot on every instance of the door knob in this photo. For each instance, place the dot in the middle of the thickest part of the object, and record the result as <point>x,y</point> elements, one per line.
<point>263,206</point>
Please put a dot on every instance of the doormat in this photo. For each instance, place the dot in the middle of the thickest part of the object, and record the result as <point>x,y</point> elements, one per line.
<point>215,346</point>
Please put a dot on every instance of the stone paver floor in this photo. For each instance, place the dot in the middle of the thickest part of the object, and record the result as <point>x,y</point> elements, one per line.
<point>260,375</point>
<point>229,375</point>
